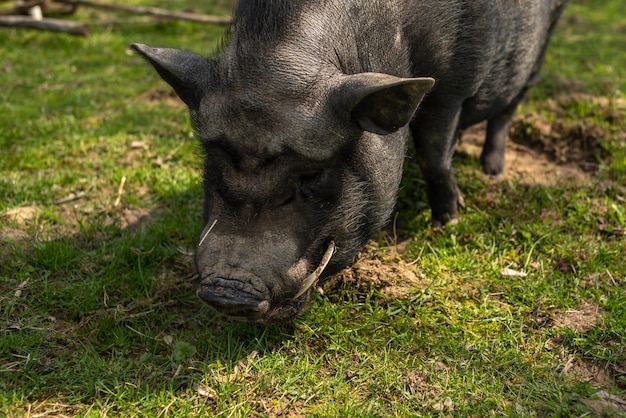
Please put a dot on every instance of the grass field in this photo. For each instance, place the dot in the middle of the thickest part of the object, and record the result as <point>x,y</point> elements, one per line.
<point>518,310</point>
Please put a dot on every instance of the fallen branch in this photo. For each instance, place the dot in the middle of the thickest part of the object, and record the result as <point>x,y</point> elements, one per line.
<point>54,25</point>
<point>150,11</point>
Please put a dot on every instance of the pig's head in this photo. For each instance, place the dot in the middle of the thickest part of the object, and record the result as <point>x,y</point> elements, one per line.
<point>299,172</point>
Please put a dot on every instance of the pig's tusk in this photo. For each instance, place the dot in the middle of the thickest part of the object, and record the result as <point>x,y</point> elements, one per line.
<point>313,278</point>
<point>207,232</point>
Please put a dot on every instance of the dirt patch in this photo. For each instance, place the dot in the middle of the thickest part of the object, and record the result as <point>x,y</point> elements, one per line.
<point>391,276</point>
<point>581,319</point>
<point>133,218</point>
<point>550,152</point>
<point>13,235</point>
<point>598,376</point>
<point>562,142</point>
<point>22,215</point>
<point>605,404</point>
<point>602,403</point>
<point>525,164</point>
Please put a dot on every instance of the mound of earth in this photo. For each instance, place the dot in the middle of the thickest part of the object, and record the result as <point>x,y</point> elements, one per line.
<point>392,276</point>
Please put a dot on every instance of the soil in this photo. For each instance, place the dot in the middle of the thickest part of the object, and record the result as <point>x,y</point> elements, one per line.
<point>391,275</point>
<point>526,163</point>
<point>582,319</point>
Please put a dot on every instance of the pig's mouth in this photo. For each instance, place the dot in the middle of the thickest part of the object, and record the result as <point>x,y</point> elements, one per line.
<point>234,303</point>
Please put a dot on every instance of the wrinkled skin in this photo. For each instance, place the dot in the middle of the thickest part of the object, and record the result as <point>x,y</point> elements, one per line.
<point>305,117</point>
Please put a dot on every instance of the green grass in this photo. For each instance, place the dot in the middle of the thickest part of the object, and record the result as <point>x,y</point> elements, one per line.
<point>98,313</point>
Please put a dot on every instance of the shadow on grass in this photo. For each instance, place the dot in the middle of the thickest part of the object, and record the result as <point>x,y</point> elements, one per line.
<point>114,304</point>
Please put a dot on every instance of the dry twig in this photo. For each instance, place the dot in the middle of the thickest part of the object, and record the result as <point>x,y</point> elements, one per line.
<point>49,24</point>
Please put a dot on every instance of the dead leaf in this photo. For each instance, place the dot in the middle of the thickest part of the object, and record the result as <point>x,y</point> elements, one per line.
<point>206,392</point>
<point>507,272</point>
<point>445,405</point>
<point>140,145</point>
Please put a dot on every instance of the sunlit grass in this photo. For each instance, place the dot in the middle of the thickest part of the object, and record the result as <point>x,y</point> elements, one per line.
<point>98,312</point>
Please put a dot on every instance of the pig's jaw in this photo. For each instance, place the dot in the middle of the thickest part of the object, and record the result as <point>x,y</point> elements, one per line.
<point>239,304</point>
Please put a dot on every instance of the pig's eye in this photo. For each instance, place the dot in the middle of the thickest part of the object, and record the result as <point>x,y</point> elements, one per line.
<point>312,184</point>
<point>289,198</point>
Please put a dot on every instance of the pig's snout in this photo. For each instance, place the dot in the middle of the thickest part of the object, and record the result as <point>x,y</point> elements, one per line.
<point>246,300</point>
<point>242,295</point>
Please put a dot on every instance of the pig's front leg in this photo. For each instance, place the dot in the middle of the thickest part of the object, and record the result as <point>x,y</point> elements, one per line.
<point>434,134</point>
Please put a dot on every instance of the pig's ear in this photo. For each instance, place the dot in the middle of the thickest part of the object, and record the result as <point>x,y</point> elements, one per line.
<point>186,72</point>
<point>381,103</point>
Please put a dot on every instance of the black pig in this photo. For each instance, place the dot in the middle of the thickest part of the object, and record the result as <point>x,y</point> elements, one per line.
<point>304,121</point>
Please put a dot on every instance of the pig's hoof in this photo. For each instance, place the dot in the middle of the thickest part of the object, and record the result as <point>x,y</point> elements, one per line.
<point>439,223</point>
<point>461,204</point>
<point>492,165</point>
